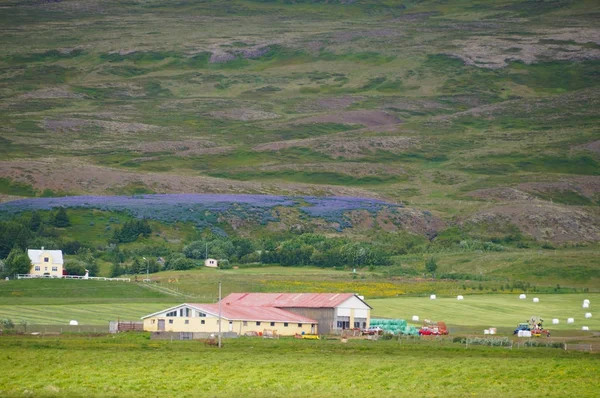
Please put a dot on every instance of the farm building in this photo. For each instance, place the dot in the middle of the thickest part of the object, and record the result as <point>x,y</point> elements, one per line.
<point>46,262</point>
<point>237,319</point>
<point>288,313</point>
<point>211,263</point>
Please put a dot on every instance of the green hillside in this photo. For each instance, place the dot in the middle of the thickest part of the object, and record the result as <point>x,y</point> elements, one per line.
<point>478,119</point>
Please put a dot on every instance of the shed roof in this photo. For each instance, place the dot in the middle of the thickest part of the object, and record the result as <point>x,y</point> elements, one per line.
<point>289,300</point>
<point>246,313</point>
<point>36,256</point>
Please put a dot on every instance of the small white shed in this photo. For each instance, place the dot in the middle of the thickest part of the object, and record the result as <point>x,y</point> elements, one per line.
<point>211,263</point>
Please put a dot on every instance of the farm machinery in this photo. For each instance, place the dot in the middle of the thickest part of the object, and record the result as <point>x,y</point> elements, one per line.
<point>433,328</point>
<point>535,325</point>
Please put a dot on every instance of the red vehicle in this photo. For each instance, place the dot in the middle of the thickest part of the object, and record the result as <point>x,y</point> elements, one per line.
<point>433,328</point>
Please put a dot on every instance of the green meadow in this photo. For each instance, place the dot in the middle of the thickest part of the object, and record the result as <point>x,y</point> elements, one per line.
<point>132,366</point>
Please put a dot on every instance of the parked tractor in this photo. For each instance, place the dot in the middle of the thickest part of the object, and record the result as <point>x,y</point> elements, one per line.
<point>535,326</point>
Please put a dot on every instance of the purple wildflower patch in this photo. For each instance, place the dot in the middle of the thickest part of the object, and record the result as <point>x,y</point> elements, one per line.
<point>205,210</point>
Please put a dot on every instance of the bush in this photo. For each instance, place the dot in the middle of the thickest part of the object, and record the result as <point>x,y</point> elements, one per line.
<point>489,341</point>
<point>7,323</point>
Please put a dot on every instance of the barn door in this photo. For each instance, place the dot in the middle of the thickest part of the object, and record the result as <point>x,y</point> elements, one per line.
<point>161,325</point>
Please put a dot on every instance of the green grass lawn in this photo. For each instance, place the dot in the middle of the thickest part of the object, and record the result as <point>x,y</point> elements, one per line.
<point>500,310</point>
<point>132,366</point>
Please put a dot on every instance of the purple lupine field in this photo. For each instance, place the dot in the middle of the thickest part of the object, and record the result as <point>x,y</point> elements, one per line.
<point>203,208</point>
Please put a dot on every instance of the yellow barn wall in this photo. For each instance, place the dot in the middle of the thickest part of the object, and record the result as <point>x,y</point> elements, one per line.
<point>211,326</point>
<point>47,267</point>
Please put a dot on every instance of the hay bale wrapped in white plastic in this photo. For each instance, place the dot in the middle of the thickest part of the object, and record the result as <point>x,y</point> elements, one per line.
<point>522,297</point>
<point>586,301</point>
<point>586,305</point>
<point>571,320</point>
<point>585,328</point>
<point>555,321</point>
<point>536,300</point>
<point>588,315</point>
<point>73,323</point>
<point>493,330</point>
<point>524,333</point>
<point>486,331</point>
<point>415,318</point>
<point>459,297</point>
<point>432,297</point>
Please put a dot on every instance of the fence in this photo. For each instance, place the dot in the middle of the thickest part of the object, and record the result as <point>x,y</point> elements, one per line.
<point>189,335</point>
<point>56,329</point>
<point>582,347</point>
<point>98,278</point>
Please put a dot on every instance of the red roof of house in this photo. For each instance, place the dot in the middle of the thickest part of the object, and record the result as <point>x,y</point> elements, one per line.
<point>288,300</point>
<point>246,313</point>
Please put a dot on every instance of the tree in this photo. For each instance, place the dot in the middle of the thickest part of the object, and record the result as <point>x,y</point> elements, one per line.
<point>75,267</point>
<point>61,219</point>
<point>431,265</point>
<point>18,262</point>
<point>86,257</point>
<point>116,270</point>
<point>35,222</point>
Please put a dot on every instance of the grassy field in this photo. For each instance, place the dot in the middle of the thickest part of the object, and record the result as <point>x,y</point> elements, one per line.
<point>501,311</point>
<point>135,366</point>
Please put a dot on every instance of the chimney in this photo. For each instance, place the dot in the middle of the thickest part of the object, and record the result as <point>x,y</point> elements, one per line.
<point>42,247</point>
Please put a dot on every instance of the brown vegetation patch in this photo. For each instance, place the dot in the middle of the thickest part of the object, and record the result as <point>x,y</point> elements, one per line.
<point>413,220</point>
<point>366,118</point>
<point>57,175</point>
<point>244,114</point>
<point>495,52</point>
<point>51,92</point>
<point>544,221</point>
<point>588,186</point>
<point>345,146</point>
<point>354,169</point>
<point>501,193</point>
<point>77,125</point>
<point>333,103</point>
<point>593,146</point>
<point>181,148</point>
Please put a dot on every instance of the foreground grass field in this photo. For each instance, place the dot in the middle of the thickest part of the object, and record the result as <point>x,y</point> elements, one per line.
<point>134,366</point>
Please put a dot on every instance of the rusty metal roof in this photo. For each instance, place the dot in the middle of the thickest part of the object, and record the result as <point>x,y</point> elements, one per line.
<point>248,313</point>
<point>288,300</point>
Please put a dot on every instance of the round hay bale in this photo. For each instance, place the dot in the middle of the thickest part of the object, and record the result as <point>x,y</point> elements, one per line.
<point>536,300</point>
<point>73,323</point>
<point>459,297</point>
<point>432,297</point>
<point>486,331</point>
<point>586,301</point>
<point>522,297</point>
<point>586,305</point>
<point>555,321</point>
<point>585,328</point>
<point>571,320</point>
<point>588,315</point>
<point>415,318</point>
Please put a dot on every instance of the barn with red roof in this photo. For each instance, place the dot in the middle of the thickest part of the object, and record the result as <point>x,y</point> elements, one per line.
<point>288,313</point>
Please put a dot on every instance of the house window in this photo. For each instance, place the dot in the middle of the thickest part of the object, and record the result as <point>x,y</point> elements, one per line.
<point>172,313</point>
<point>45,268</point>
<point>257,323</point>
<point>46,260</point>
<point>37,267</point>
<point>187,322</point>
<point>357,324</point>
<point>272,323</point>
<point>364,324</point>
<point>153,321</point>
<point>201,314</point>
<point>202,322</point>
<point>170,321</point>
<point>285,324</point>
<point>54,269</point>
<point>299,325</point>
<point>245,323</point>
